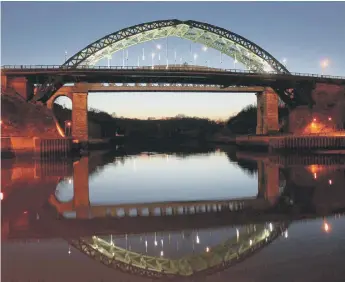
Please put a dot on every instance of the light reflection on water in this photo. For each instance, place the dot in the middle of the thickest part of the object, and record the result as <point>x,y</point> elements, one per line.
<point>143,178</point>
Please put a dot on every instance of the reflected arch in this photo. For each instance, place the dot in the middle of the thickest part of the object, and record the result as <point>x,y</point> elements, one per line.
<point>217,259</point>
<point>243,50</point>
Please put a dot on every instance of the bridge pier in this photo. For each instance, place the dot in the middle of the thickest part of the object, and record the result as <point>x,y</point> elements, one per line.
<point>79,116</point>
<point>19,84</point>
<point>81,201</point>
<point>267,112</point>
<point>268,181</point>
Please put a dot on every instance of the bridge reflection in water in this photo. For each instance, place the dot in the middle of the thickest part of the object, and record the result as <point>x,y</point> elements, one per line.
<point>170,239</point>
<point>164,261</point>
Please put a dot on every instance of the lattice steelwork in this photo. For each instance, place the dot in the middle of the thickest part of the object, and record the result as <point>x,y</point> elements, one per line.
<point>248,53</point>
<point>218,257</point>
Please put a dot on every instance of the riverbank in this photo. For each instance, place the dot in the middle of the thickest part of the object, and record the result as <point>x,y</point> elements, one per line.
<point>286,143</point>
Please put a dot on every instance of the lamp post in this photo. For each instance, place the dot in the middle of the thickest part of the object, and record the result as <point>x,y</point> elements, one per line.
<point>235,62</point>
<point>152,56</point>
<point>159,47</point>
<point>68,127</point>
<point>204,48</point>
<point>284,62</point>
<point>195,56</point>
<point>324,65</point>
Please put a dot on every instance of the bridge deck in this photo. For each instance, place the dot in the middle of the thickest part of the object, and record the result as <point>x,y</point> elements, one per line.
<point>170,74</point>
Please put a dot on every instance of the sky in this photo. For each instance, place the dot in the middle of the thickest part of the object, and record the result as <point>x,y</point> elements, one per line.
<point>304,33</point>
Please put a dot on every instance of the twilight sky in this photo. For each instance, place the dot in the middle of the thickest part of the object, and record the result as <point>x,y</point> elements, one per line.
<point>302,32</point>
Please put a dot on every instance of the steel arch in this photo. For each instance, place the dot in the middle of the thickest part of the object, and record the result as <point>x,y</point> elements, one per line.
<point>219,258</point>
<point>229,43</point>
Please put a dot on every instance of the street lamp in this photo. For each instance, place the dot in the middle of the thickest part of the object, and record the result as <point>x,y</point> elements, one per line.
<point>284,62</point>
<point>324,65</point>
<point>195,56</point>
<point>68,128</point>
<point>152,56</point>
<point>235,62</point>
<point>65,56</point>
<point>109,59</point>
<point>159,47</point>
<point>204,48</point>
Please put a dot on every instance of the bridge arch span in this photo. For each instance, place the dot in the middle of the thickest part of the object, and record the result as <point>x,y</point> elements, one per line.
<point>228,42</point>
<point>50,105</point>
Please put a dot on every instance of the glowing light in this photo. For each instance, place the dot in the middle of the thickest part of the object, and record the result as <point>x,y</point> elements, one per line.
<point>69,123</point>
<point>70,181</point>
<point>1,196</point>
<point>156,243</point>
<point>284,61</point>
<point>330,182</point>
<point>197,239</point>
<point>162,242</point>
<point>25,212</point>
<point>286,234</point>
<point>207,249</point>
<point>326,227</point>
<point>271,227</point>
<point>162,253</point>
<point>69,250</point>
<point>204,48</point>
<point>329,118</point>
<point>324,63</point>
<point>315,175</point>
<point>159,46</point>
<point>237,234</point>
<point>250,242</point>
<point>0,121</point>
<point>195,56</point>
<point>314,119</point>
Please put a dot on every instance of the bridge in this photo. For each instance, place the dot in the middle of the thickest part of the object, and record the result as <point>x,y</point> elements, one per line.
<point>269,78</point>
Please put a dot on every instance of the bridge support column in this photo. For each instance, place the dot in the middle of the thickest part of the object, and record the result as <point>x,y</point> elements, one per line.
<point>81,200</point>
<point>20,85</point>
<point>79,116</point>
<point>268,181</point>
<point>267,112</point>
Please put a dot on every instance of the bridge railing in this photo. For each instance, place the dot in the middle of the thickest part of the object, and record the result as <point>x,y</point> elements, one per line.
<point>160,68</point>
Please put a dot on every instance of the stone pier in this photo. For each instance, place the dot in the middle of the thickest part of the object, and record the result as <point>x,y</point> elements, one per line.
<point>267,112</point>
<point>79,116</point>
<point>81,200</point>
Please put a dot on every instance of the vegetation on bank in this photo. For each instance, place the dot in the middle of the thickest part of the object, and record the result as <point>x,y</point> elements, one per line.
<point>176,127</point>
<point>243,122</point>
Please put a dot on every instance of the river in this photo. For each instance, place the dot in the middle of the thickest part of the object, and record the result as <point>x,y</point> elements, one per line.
<point>191,214</point>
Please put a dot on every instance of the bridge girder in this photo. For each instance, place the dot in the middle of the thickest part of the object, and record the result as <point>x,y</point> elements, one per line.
<point>229,43</point>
